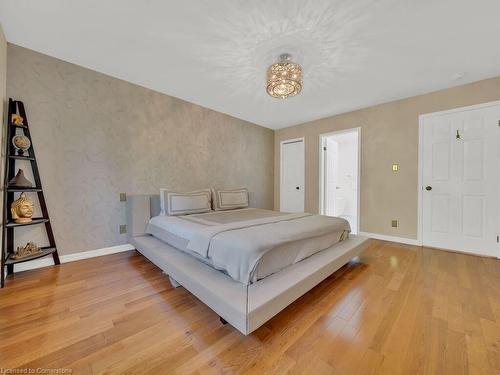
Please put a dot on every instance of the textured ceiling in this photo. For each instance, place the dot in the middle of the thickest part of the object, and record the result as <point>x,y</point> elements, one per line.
<point>355,53</point>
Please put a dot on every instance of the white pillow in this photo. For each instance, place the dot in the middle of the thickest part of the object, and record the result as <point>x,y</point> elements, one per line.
<point>229,199</point>
<point>183,203</point>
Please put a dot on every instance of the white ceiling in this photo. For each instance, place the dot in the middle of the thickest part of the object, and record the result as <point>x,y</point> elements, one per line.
<point>355,53</point>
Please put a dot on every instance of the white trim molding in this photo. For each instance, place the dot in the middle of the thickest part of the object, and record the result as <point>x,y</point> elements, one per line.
<point>383,237</point>
<point>48,261</point>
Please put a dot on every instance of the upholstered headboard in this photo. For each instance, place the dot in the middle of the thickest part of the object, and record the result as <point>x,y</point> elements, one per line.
<point>141,208</point>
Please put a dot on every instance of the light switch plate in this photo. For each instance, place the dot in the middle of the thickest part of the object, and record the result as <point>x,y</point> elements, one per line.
<point>395,167</point>
<point>394,223</point>
<point>123,197</point>
<point>123,229</point>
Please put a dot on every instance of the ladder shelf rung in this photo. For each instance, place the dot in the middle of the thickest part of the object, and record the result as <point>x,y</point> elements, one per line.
<point>18,126</point>
<point>21,157</point>
<point>38,220</point>
<point>45,251</point>
<point>29,189</point>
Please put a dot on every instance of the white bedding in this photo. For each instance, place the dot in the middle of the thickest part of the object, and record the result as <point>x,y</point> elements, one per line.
<point>249,244</point>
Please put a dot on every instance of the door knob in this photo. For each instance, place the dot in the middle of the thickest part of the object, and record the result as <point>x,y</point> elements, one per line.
<point>297,188</point>
<point>428,188</point>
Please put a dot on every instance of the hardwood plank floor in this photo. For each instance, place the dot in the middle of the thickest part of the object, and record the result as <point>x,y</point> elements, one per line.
<point>398,310</point>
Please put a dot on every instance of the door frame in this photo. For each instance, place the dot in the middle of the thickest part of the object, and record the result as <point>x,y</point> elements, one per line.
<point>292,140</point>
<point>322,172</point>
<point>420,187</point>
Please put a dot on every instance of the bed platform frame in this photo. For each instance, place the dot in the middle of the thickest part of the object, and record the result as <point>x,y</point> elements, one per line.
<point>245,307</point>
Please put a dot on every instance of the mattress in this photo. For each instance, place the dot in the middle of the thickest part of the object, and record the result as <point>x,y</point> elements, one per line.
<point>178,231</point>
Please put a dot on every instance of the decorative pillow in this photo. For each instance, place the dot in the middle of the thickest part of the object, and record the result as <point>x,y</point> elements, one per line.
<point>183,203</point>
<point>229,199</point>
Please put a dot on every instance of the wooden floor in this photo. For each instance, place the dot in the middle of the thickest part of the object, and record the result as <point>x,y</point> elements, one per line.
<point>399,310</point>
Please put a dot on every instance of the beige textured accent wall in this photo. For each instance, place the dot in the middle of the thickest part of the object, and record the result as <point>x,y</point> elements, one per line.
<point>96,136</point>
<point>389,135</point>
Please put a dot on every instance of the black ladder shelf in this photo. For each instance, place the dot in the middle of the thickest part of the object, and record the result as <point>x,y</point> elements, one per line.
<point>9,226</point>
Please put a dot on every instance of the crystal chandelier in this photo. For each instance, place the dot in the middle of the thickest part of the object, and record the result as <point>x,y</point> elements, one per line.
<point>284,78</point>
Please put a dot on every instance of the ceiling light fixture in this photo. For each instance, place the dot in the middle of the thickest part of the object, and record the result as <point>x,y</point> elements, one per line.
<point>284,78</point>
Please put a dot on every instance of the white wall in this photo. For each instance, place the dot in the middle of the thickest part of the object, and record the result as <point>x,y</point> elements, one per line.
<point>348,158</point>
<point>332,174</point>
<point>342,176</point>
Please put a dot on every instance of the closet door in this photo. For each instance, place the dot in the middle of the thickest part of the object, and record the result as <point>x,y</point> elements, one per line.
<point>292,176</point>
<point>461,174</point>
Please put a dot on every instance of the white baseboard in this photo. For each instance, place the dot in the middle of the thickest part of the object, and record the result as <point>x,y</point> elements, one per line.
<point>48,261</point>
<point>383,237</point>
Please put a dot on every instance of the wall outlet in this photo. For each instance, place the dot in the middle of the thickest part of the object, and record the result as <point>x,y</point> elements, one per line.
<point>394,223</point>
<point>395,167</point>
<point>123,229</point>
<point>123,197</point>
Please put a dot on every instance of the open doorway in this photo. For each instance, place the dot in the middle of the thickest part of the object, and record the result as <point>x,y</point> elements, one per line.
<point>339,175</point>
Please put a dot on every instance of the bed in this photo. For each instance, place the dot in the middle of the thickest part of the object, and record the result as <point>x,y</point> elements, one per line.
<point>246,264</point>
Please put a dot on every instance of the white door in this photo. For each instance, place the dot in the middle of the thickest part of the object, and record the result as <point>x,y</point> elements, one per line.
<point>461,174</point>
<point>292,176</point>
